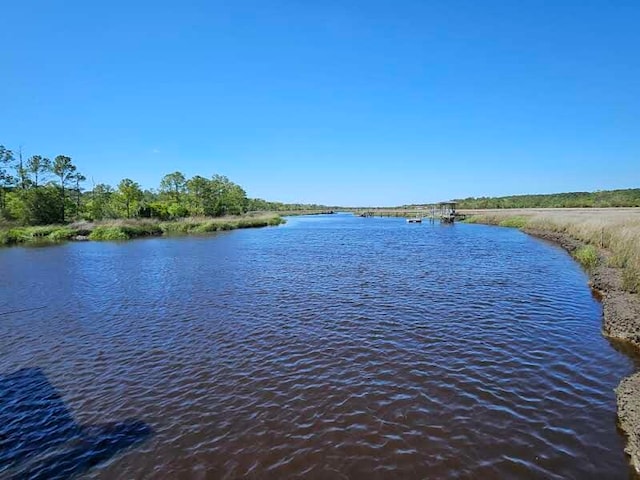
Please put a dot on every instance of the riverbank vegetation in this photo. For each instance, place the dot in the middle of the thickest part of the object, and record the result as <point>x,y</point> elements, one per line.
<point>126,229</point>
<point>37,191</point>
<point>43,200</point>
<point>615,232</point>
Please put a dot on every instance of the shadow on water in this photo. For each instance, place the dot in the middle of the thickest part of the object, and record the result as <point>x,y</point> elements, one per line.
<point>39,439</point>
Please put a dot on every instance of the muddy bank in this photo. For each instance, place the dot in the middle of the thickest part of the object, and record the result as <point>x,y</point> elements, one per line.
<point>621,323</point>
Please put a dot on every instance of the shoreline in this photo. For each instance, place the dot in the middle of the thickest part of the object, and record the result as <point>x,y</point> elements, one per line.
<point>620,325</point>
<point>120,230</point>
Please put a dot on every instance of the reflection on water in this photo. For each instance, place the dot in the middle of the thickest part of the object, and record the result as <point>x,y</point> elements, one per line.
<point>333,347</point>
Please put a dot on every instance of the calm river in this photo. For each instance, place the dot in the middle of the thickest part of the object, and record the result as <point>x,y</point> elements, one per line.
<point>330,347</point>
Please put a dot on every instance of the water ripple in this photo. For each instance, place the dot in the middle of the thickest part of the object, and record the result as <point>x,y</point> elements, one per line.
<point>329,348</point>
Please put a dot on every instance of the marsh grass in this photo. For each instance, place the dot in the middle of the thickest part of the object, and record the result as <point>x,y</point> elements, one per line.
<point>616,231</point>
<point>127,229</point>
<point>61,234</point>
<point>105,232</point>
<point>514,222</point>
<point>587,255</point>
<point>112,230</point>
<point>49,233</point>
<point>207,225</point>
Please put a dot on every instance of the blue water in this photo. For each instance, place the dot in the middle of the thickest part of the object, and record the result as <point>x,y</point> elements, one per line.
<point>330,347</point>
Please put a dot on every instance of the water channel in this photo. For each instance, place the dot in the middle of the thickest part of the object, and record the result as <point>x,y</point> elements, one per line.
<point>330,347</point>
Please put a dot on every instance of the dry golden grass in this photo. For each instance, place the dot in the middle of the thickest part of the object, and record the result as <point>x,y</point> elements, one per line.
<point>615,230</point>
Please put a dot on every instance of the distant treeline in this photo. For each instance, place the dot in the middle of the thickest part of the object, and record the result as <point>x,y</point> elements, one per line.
<point>607,198</point>
<point>40,191</point>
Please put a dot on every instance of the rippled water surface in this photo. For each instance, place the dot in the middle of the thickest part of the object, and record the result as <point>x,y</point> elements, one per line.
<point>331,347</point>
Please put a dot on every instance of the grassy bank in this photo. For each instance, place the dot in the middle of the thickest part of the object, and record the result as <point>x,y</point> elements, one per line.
<point>128,229</point>
<point>614,233</point>
<point>50,233</point>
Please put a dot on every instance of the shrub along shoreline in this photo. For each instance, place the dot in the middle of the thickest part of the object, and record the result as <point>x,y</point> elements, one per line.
<point>608,247</point>
<point>134,228</point>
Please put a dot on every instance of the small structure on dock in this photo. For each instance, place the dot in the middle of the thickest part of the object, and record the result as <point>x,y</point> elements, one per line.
<point>447,211</point>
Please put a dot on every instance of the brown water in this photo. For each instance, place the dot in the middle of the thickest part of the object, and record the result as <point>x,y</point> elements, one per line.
<point>331,347</point>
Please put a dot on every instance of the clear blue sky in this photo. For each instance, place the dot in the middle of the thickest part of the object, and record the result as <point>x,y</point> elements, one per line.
<point>337,102</point>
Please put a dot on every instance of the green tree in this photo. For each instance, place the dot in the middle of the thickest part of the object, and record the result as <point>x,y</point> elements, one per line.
<point>21,171</point>
<point>65,170</point>
<point>199,195</point>
<point>78,178</point>
<point>228,198</point>
<point>100,202</point>
<point>173,185</point>
<point>35,206</point>
<point>612,198</point>
<point>6,179</point>
<point>38,167</point>
<point>177,210</point>
<point>130,193</point>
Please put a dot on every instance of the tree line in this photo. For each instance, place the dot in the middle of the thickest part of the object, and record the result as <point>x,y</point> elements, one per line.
<point>41,191</point>
<point>601,199</point>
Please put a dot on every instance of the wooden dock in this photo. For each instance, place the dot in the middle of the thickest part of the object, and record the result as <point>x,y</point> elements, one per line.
<point>444,212</point>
